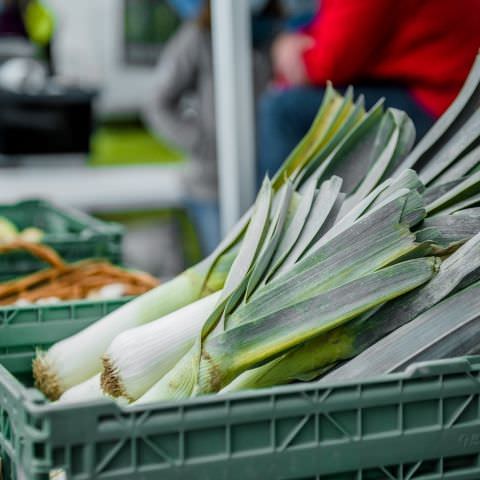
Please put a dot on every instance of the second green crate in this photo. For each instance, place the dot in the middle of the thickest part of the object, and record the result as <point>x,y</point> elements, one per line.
<point>73,234</point>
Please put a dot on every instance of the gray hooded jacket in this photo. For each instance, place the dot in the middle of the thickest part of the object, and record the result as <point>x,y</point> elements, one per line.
<point>186,67</point>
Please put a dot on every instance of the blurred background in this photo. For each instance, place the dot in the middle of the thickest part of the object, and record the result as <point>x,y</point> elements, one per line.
<point>108,106</point>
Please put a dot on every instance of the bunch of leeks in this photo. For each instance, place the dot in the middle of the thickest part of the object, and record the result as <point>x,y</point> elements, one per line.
<point>435,321</point>
<point>285,228</point>
<point>319,270</point>
<point>78,358</point>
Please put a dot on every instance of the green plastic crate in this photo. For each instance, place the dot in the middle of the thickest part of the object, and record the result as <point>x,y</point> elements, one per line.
<point>73,234</point>
<point>421,424</point>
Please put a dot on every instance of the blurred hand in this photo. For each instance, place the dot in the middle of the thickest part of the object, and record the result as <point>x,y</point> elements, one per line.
<point>287,57</point>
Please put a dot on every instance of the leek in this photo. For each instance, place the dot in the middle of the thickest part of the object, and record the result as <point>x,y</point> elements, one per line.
<point>139,357</point>
<point>451,122</point>
<point>79,357</point>
<point>83,392</point>
<point>321,267</point>
<point>227,354</point>
<point>447,329</point>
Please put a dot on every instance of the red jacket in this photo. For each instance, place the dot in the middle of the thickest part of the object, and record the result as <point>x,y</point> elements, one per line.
<point>426,45</point>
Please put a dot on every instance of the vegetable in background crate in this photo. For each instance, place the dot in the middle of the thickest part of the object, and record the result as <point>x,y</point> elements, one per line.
<point>62,281</point>
<point>10,233</point>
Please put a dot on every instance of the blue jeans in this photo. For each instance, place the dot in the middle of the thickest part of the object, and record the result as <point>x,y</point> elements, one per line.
<point>284,116</point>
<point>205,217</point>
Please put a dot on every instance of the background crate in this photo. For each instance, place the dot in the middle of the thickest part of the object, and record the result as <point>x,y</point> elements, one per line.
<point>24,329</point>
<point>73,234</point>
<point>421,424</point>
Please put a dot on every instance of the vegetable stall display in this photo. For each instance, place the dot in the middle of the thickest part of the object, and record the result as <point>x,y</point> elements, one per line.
<point>356,245</point>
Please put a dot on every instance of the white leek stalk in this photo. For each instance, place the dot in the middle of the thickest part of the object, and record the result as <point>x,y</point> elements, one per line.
<point>139,357</point>
<point>84,392</point>
<point>178,383</point>
<point>79,357</point>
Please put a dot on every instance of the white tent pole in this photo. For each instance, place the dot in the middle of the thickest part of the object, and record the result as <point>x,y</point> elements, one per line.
<point>234,107</point>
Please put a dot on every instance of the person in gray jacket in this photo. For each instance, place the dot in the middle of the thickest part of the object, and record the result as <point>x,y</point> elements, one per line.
<point>181,109</point>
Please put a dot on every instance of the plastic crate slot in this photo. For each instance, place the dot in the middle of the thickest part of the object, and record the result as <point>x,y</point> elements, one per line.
<point>349,476</point>
<point>391,472</point>
<point>112,456</point>
<point>303,478</point>
<point>158,450</point>
<point>338,426</point>
<point>295,432</point>
<point>39,451</point>
<point>460,463</point>
<point>18,349</point>
<point>7,316</point>
<point>35,422</point>
<point>426,468</point>
<point>72,460</point>
<point>458,411</point>
<point>251,437</point>
<point>380,420</point>
<point>208,442</point>
<point>5,428</point>
<point>60,457</point>
<point>410,469</point>
<point>6,466</point>
<point>421,415</point>
<point>79,459</point>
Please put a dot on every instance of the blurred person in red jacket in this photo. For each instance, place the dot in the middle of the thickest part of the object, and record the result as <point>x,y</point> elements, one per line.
<point>415,53</point>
